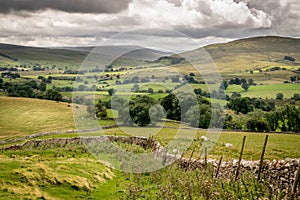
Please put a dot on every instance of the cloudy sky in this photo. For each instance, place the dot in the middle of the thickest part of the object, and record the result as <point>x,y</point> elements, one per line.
<point>89,22</point>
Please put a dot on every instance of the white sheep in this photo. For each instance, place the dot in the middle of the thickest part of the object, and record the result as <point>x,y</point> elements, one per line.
<point>228,145</point>
<point>203,138</point>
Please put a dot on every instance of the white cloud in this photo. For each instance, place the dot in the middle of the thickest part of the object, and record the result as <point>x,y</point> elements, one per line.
<point>200,19</point>
<point>196,13</point>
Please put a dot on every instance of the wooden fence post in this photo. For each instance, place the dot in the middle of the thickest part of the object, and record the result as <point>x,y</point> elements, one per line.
<point>240,159</point>
<point>219,164</point>
<point>262,158</point>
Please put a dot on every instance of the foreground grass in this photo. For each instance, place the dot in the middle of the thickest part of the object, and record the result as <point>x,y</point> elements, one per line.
<point>68,170</point>
<point>64,173</point>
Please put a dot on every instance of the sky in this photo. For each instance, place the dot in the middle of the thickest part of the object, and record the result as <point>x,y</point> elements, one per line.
<point>48,23</point>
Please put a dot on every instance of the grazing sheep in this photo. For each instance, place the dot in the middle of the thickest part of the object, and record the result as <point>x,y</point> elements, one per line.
<point>203,138</point>
<point>228,145</point>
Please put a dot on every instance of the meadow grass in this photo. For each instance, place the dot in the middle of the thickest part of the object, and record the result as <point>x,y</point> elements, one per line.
<point>24,116</point>
<point>266,91</point>
<point>280,146</point>
<point>57,173</point>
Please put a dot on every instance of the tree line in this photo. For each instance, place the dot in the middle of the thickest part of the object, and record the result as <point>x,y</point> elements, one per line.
<point>250,114</point>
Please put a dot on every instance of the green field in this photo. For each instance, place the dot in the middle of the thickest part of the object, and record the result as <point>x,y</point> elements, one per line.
<point>57,174</point>
<point>266,91</point>
<point>71,172</point>
<point>27,116</point>
<point>23,116</point>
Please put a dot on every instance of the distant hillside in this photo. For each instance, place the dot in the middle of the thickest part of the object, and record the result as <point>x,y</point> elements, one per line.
<point>243,54</point>
<point>132,52</point>
<point>31,55</point>
<point>251,53</point>
<point>73,56</point>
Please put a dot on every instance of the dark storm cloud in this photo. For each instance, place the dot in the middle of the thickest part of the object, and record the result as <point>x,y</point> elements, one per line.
<point>72,6</point>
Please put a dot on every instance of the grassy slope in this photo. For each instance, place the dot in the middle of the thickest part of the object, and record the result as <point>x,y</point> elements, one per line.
<point>23,116</point>
<point>251,53</point>
<point>58,57</point>
<point>56,174</point>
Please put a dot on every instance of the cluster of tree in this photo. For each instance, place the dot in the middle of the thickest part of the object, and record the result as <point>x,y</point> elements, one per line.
<point>245,104</point>
<point>251,114</point>
<point>11,69</point>
<point>237,81</point>
<point>142,110</point>
<point>31,89</point>
<point>98,110</point>
<point>62,78</point>
<point>83,88</point>
<point>289,58</point>
<point>10,75</point>
<point>73,72</point>
<point>196,111</point>
<point>296,97</point>
<point>276,68</point>
<point>136,79</point>
<point>280,119</point>
<point>45,80</point>
<point>38,68</point>
<point>170,60</point>
<point>245,84</point>
<point>294,78</point>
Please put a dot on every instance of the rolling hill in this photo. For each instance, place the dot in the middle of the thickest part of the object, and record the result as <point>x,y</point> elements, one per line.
<point>127,51</point>
<point>73,56</point>
<point>243,54</point>
<point>251,53</point>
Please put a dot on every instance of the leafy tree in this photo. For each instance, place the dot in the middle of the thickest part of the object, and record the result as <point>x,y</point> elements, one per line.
<point>111,91</point>
<point>235,81</point>
<point>118,103</point>
<point>245,86</point>
<point>139,111</point>
<point>296,97</point>
<point>291,118</point>
<point>42,87</point>
<point>224,85</point>
<point>273,118</point>
<point>240,105</point>
<point>135,88</point>
<point>199,116</point>
<point>251,81</point>
<point>257,125</point>
<point>150,90</point>
<point>171,106</point>
<point>135,79</point>
<point>235,95</point>
<point>279,96</point>
<point>100,110</point>
<point>198,91</point>
<point>53,95</point>
<point>156,113</point>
